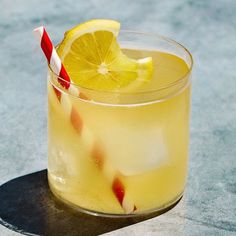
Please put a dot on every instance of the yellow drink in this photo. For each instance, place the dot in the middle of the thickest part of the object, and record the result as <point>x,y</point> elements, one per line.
<point>144,135</point>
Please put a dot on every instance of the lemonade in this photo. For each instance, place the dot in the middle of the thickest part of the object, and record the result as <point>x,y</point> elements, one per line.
<point>130,155</point>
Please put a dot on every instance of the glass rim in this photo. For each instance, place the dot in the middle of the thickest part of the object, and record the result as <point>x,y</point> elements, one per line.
<point>169,85</point>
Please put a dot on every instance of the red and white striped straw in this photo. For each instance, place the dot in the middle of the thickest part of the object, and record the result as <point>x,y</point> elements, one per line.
<point>97,154</point>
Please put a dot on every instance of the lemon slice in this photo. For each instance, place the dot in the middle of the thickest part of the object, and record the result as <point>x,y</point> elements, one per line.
<point>94,60</point>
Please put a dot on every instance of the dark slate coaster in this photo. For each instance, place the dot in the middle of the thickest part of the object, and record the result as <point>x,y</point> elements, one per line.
<point>28,207</point>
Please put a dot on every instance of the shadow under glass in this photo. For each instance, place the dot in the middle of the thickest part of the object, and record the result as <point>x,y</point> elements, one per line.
<point>28,207</point>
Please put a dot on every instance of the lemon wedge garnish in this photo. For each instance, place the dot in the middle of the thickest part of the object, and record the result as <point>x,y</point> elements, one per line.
<point>93,58</point>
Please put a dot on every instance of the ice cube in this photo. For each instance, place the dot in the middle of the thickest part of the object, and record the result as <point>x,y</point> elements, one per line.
<point>136,151</point>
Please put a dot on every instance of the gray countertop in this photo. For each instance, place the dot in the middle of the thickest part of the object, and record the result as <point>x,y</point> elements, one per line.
<point>206,28</point>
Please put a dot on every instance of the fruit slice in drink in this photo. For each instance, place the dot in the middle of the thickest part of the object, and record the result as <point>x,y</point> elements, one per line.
<point>94,60</point>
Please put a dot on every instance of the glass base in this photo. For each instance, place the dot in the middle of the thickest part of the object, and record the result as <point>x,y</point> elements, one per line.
<point>152,212</point>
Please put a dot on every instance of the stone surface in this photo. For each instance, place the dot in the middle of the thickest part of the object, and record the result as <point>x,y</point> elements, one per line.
<point>206,28</point>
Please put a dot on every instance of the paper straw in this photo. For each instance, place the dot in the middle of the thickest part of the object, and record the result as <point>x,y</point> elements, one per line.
<point>96,152</point>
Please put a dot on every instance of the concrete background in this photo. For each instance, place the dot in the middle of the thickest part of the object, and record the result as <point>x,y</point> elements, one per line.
<point>207,28</point>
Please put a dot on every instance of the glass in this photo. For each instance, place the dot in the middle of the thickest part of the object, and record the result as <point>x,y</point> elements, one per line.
<point>123,154</point>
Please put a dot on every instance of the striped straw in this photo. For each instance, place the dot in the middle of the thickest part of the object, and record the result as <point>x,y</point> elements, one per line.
<point>96,152</point>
